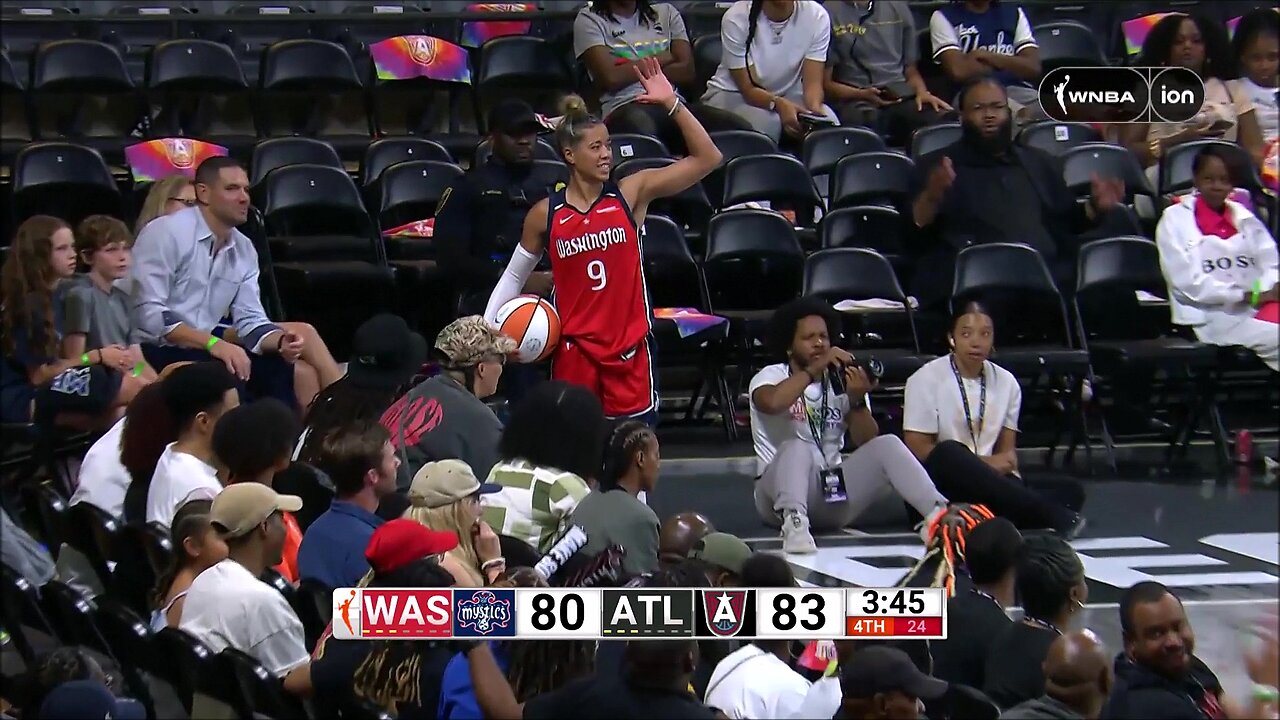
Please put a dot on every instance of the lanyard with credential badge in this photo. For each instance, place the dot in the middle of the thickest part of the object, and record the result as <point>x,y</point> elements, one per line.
<point>816,428</point>
<point>964,401</point>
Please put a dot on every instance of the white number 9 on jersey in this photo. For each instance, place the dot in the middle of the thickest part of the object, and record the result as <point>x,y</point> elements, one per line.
<point>595,271</point>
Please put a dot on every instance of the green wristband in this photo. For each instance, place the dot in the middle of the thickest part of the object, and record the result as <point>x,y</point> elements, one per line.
<point>85,359</point>
<point>1256,294</point>
<point>209,345</point>
<point>1265,693</point>
<point>137,369</point>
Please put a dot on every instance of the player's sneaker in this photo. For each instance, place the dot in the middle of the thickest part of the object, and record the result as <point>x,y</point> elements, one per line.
<point>795,534</point>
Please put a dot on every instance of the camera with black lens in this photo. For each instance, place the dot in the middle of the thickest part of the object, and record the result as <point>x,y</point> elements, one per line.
<point>871,366</point>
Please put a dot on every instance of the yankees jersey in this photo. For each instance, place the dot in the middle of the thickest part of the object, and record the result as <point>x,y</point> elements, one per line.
<point>598,274</point>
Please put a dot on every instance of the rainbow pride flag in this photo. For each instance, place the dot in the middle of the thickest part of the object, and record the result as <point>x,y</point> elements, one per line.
<point>1136,30</point>
<point>477,32</point>
<point>157,159</point>
<point>689,321</point>
<point>420,56</point>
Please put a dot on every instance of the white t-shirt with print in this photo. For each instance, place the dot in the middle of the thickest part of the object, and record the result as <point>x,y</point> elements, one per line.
<point>752,683</point>
<point>179,477</point>
<point>103,478</point>
<point>627,38</point>
<point>228,607</point>
<point>933,405</point>
<point>1264,104</point>
<point>768,432</point>
<point>778,50</point>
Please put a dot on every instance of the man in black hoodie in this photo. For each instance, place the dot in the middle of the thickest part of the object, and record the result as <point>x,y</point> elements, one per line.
<point>1157,675</point>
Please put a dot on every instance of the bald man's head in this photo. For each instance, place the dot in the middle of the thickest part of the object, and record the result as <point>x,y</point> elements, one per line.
<point>1077,671</point>
<point>678,534</point>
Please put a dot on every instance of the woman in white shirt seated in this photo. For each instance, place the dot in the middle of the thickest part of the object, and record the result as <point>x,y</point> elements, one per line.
<point>1221,264</point>
<point>772,65</point>
<point>1256,47</point>
<point>960,418</point>
<point>801,412</point>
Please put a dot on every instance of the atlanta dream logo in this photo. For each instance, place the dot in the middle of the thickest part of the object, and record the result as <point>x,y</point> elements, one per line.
<point>725,611</point>
<point>1121,95</point>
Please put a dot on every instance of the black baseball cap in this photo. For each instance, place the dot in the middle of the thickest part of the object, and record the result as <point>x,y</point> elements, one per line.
<point>514,117</point>
<point>880,669</point>
<point>385,353</point>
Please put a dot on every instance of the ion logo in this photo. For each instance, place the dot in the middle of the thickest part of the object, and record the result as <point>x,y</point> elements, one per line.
<point>1121,95</point>
<point>1177,95</point>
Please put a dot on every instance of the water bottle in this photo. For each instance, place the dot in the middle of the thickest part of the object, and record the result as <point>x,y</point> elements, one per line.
<point>1244,460</point>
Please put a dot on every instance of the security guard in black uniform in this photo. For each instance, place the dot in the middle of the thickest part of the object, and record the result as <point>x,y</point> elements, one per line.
<point>480,217</point>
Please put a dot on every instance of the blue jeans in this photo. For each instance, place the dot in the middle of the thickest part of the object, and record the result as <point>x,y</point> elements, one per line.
<point>269,375</point>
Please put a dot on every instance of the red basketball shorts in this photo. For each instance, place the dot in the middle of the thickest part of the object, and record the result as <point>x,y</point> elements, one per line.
<point>625,387</point>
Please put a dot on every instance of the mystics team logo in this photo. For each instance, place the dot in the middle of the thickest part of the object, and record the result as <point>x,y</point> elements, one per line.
<point>484,613</point>
<point>725,611</point>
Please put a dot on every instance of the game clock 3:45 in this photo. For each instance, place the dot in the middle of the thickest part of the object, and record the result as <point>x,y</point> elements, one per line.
<point>892,601</point>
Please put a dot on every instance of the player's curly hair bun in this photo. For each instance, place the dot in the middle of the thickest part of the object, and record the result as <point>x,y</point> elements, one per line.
<point>575,120</point>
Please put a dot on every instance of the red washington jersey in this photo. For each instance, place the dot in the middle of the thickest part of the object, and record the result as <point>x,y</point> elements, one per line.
<point>598,274</point>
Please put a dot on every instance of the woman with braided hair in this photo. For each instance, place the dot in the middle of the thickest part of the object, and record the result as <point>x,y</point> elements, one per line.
<point>1053,591</point>
<point>614,514</point>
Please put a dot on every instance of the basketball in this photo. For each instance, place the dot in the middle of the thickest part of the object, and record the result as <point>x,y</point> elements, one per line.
<point>534,324</point>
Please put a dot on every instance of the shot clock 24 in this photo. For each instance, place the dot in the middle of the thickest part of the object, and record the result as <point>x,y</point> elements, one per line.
<point>895,613</point>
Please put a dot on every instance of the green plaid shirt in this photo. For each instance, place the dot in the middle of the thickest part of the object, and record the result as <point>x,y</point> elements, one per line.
<point>535,502</point>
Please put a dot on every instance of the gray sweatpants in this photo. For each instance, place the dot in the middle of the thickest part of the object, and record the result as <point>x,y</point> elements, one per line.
<point>881,466</point>
<point>764,121</point>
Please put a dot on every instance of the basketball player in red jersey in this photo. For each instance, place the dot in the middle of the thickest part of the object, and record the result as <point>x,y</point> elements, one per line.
<point>592,228</point>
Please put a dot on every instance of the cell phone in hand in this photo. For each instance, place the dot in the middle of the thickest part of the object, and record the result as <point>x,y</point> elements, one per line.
<point>815,120</point>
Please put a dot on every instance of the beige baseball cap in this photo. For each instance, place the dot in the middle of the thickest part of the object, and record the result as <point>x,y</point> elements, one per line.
<point>240,508</point>
<point>445,482</point>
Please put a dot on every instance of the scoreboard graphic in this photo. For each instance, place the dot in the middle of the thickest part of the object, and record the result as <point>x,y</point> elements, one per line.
<point>640,613</point>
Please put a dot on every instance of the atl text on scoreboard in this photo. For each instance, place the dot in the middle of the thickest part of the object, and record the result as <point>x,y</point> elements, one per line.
<point>639,613</point>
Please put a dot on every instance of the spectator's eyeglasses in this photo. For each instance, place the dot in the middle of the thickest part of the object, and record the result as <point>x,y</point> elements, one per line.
<point>184,201</point>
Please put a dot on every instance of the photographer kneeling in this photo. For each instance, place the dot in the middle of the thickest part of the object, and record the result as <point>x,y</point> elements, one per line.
<point>800,412</point>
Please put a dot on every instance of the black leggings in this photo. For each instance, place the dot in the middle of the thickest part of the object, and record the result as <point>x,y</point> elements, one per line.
<point>965,477</point>
<point>652,120</point>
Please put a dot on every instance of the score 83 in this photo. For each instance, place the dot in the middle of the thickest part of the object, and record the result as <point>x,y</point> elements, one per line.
<point>814,613</point>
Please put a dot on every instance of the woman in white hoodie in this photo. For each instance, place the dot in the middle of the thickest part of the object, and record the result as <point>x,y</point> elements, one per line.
<point>1221,264</point>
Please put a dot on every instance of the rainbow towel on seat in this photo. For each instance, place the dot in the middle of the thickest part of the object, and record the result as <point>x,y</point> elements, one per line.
<point>1136,30</point>
<point>158,159</point>
<point>416,229</point>
<point>406,57</point>
<point>689,321</point>
<point>477,32</point>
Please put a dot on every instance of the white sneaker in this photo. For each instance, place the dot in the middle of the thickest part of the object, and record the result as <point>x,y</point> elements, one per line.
<point>795,534</point>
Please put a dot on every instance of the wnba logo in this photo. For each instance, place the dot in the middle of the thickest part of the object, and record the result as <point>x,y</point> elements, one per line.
<point>1121,95</point>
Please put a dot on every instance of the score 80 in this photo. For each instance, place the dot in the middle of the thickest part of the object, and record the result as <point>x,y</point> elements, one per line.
<point>558,613</point>
<point>809,613</point>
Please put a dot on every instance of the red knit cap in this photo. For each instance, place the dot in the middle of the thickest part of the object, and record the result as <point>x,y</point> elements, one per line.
<point>397,543</point>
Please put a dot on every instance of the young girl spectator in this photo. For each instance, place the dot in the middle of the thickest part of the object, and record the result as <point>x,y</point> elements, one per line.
<point>196,546</point>
<point>542,475</point>
<point>254,442</point>
<point>35,385</point>
<point>803,410</point>
<point>1221,264</point>
<point>771,70</point>
<point>1256,47</point>
<point>1198,44</point>
<point>610,35</point>
<point>97,311</point>
<point>960,418</point>
<point>614,514</point>
<point>445,496</point>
